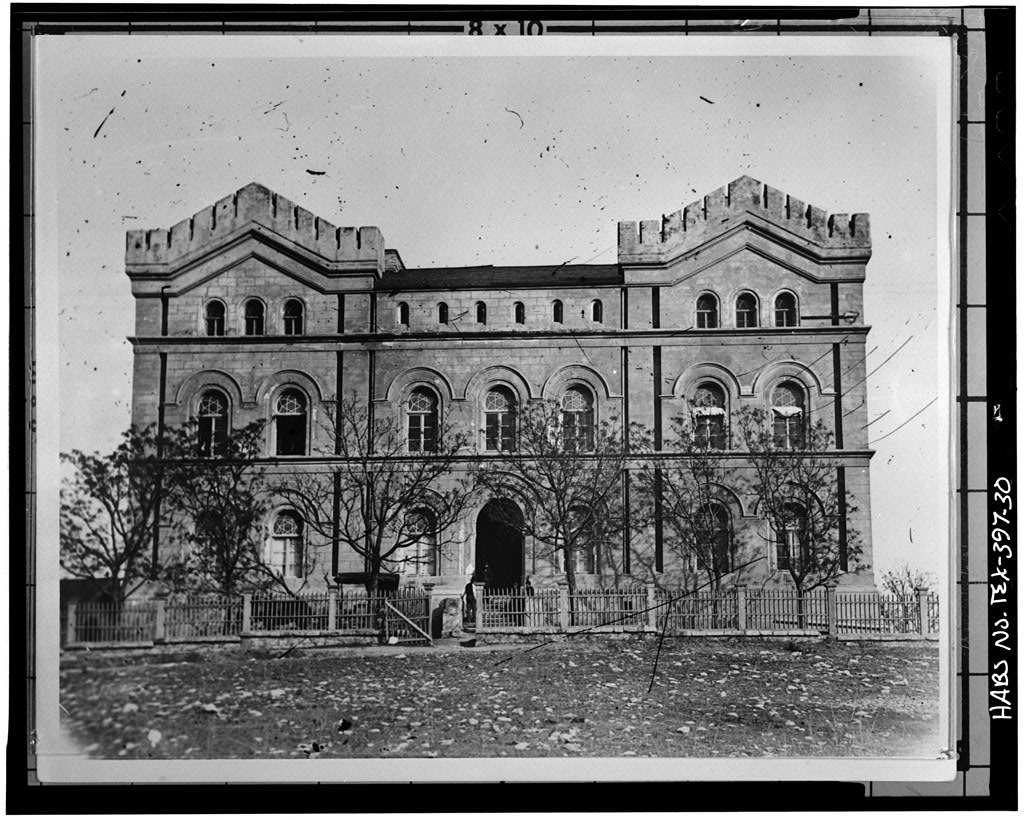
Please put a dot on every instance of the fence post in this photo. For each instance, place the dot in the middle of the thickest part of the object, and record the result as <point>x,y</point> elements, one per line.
<point>922,610</point>
<point>72,624</point>
<point>741,607</point>
<point>833,611</point>
<point>332,610</point>
<point>246,613</point>
<point>563,605</point>
<point>160,632</point>
<point>478,595</point>
<point>652,612</point>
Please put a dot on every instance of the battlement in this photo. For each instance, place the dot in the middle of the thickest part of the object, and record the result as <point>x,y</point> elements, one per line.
<point>255,204</point>
<point>659,240</point>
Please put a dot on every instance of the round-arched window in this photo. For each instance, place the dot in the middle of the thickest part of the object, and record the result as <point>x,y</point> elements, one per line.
<point>785,310</point>
<point>290,414</point>
<point>286,545</point>
<point>254,317</point>
<point>214,315</point>
<point>422,421</point>
<point>293,318</point>
<point>578,418</point>
<point>789,415</point>
<point>212,418</point>
<point>746,310</point>
<point>709,416</point>
<point>707,311</point>
<point>500,419</point>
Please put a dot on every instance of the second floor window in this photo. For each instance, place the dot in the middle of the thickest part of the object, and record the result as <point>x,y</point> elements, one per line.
<point>481,313</point>
<point>788,416</point>
<point>500,420</point>
<point>519,312</point>
<point>290,423</point>
<point>293,318</point>
<point>578,419</point>
<point>556,312</point>
<point>442,313</point>
<point>254,318</point>
<point>422,421</point>
<point>212,417</point>
<point>403,314</point>
<point>597,311</point>
<point>785,310</point>
<point>709,417</point>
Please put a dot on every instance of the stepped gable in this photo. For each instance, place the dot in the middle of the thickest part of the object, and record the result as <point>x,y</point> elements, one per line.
<point>254,209</point>
<point>745,200</point>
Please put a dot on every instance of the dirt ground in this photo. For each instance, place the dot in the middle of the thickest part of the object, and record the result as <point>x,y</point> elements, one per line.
<point>728,698</point>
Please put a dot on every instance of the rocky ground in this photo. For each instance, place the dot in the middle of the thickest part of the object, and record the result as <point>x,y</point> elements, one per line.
<point>585,697</point>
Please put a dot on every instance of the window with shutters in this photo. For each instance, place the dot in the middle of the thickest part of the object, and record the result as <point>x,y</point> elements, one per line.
<point>500,420</point>
<point>422,421</point>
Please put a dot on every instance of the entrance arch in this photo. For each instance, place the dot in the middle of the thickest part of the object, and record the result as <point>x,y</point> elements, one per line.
<point>499,544</point>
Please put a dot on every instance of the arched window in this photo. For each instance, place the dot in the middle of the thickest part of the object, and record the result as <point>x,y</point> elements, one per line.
<point>597,311</point>
<point>215,318</point>
<point>481,313</point>
<point>286,545</point>
<point>290,423</point>
<point>212,416</point>
<point>556,312</point>
<point>792,547</point>
<point>419,557</point>
<point>785,310</point>
<point>442,313</point>
<point>500,419</point>
<point>422,421</point>
<point>403,314</point>
<point>254,318</point>
<point>519,309</point>
<point>709,417</point>
<point>578,418</point>
<point>717,536</point>
<point>788,416</point>
<point>582,524</point>
<point>293,318</point>
<point>707,311</point>
<point>746,310</point>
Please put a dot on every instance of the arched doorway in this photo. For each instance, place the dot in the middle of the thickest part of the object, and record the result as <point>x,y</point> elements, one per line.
<point>499,544</point>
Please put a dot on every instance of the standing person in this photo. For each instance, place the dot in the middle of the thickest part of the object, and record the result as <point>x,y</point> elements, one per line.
<point>469,598</point>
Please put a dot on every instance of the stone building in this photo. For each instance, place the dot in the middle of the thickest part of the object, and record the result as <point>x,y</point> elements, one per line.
<point>255,308</point>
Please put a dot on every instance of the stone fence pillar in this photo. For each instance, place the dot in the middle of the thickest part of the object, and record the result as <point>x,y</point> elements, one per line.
<point>246,613</point>
<point>160,631</point>
<point>332,610</point>
<point>922,610</point>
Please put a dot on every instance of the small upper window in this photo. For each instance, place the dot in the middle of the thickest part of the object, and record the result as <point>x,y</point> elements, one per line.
<point>709,417</point>
<point>442,313</point>
<point>707,311</point>
<point>746,310</point>
<point>403,314</point>
<point>556,312</point>
<point>597,311</point>
<point>785,310</point>
<point>293,318</point>
<point>254,318</point>
<point>212,417</point>
<point>520,313</point>
<point>290,423</point>
<point>788,416</point>
<point>215,318</point>
<point>481,313</point>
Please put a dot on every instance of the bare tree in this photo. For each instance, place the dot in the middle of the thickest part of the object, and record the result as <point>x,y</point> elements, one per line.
<point>569,472</point>
<point>686,491</point>
<point>795,479</point>
<point>904,581</point>
<point>386,494</point>
<point>218,501</point>
<point>108,513</point>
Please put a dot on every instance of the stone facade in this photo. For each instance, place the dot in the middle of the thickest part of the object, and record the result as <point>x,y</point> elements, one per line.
<point>629,333</point>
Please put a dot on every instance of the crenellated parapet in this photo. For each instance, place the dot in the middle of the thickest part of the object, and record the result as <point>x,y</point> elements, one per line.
<point>835,236</point>
<point>258,209</point>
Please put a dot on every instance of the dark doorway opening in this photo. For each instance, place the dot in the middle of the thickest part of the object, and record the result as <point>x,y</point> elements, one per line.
<point>499,544</point>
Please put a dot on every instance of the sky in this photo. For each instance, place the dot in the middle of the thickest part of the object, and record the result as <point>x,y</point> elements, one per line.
<point>513,153</point>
